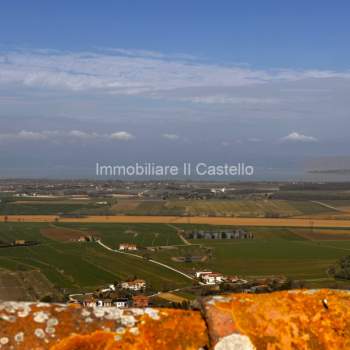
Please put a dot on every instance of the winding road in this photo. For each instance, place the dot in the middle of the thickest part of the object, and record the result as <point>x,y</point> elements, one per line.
<point>150,260</point>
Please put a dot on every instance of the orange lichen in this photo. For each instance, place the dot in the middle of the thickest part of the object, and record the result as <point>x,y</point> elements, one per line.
<point>60,327</point>
<point>99,340</point>
<point>306,320</point>
<point>283,320</point>
<point>170,333</point>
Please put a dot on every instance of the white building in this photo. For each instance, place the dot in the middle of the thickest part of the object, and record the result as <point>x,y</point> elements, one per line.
<point>121,303</point>
<point>127,246</point>
<point>210,277</point>
<point>200,273</point>
<point>135,285</point>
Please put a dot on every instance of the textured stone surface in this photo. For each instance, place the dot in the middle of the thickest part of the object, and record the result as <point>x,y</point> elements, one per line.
<point>60,327</point>
<point>291,320</point>
<point>315,320</point>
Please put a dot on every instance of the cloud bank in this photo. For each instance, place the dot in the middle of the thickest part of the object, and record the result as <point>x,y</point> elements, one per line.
<point>297,137</point>
<point>126,72</point>
<point>54,135</point>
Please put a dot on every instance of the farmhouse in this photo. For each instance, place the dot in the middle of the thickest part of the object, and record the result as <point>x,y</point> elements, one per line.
<point>198,274</point>
<point>127,246</point>
<point>19,242</point>
<point>135,285</point>
<point>210,278</point>
<point>23,243</point>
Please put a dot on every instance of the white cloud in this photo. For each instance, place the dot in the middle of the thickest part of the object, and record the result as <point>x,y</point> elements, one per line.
<point>70,135</point>
<point>171,137</point>
<point>137,72</point>
<point>82,134</point>
<point>121,135</point>
<point>225,99</point>
<point>25,135</point>
<point>297,137</point>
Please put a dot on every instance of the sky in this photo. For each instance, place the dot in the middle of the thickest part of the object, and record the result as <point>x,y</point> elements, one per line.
<point>118,82</point>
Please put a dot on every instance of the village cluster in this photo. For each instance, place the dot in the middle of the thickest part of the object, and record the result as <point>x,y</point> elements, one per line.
<point>121,295</point>
<point>213,278</point>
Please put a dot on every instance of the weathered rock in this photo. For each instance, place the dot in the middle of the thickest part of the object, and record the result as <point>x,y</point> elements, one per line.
<point>307,320</point>
<point>291,320</point>
<point>59,327</point>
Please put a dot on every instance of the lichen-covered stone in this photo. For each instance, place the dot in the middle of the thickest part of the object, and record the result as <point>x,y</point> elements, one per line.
<point>70,327</point>
<point>290,320</point>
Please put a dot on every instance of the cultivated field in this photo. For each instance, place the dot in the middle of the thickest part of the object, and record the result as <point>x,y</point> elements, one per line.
<point>199,220</point>
<point>25,285</point>
<point>299,253</point>
<point>78,266</point>
<point>225,208</point>
<point>294,252</point>
<point>213,207</point>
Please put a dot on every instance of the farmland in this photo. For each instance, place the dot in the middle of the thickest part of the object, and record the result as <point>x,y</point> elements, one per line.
<point>299,253</point>
<point>75,266</point>
<point>197,220</point>
<point>225,208</point>
<point>59,206</point>
<point>139,207</point>
<point>141,234</point>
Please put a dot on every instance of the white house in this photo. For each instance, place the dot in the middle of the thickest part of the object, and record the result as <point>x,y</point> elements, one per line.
<point>104,303</point>
<point>200,273</point>
<point>127,246</point>
<point>136,285</point>
<point>121,303</point>
<point>211,278</point>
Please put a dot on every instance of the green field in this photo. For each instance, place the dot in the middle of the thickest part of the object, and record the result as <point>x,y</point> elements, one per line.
<point>282,251</point>
<point>86,266</point>
<point>77,266</point>
<point>142,235</point>
<point>213,207</point>
<point>231,208</point>
<point>34,207</point>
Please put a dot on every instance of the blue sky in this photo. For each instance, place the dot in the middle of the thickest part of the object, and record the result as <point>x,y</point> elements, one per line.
<point>86,81</point>
<point>302,34</point>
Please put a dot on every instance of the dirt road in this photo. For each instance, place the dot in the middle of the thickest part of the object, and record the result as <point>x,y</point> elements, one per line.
<point>288,222</point>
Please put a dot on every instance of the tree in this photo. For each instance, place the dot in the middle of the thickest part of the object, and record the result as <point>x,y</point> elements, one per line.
<point>341,269</point>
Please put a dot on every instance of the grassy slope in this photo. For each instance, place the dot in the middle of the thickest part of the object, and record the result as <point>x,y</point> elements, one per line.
<point>140,234</point>
<point>75,265</point>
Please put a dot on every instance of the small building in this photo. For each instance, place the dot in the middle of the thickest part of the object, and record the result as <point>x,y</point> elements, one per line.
<point>88,238</point>
<point>200,273</point>
<point>104,303</point>
<point>20,242</point>
<point>140,301</point>
<point>89,301</point>
<point>121,303</point>
<point>211,278</point>
<point>135,285</point>
<point>127,246</point>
